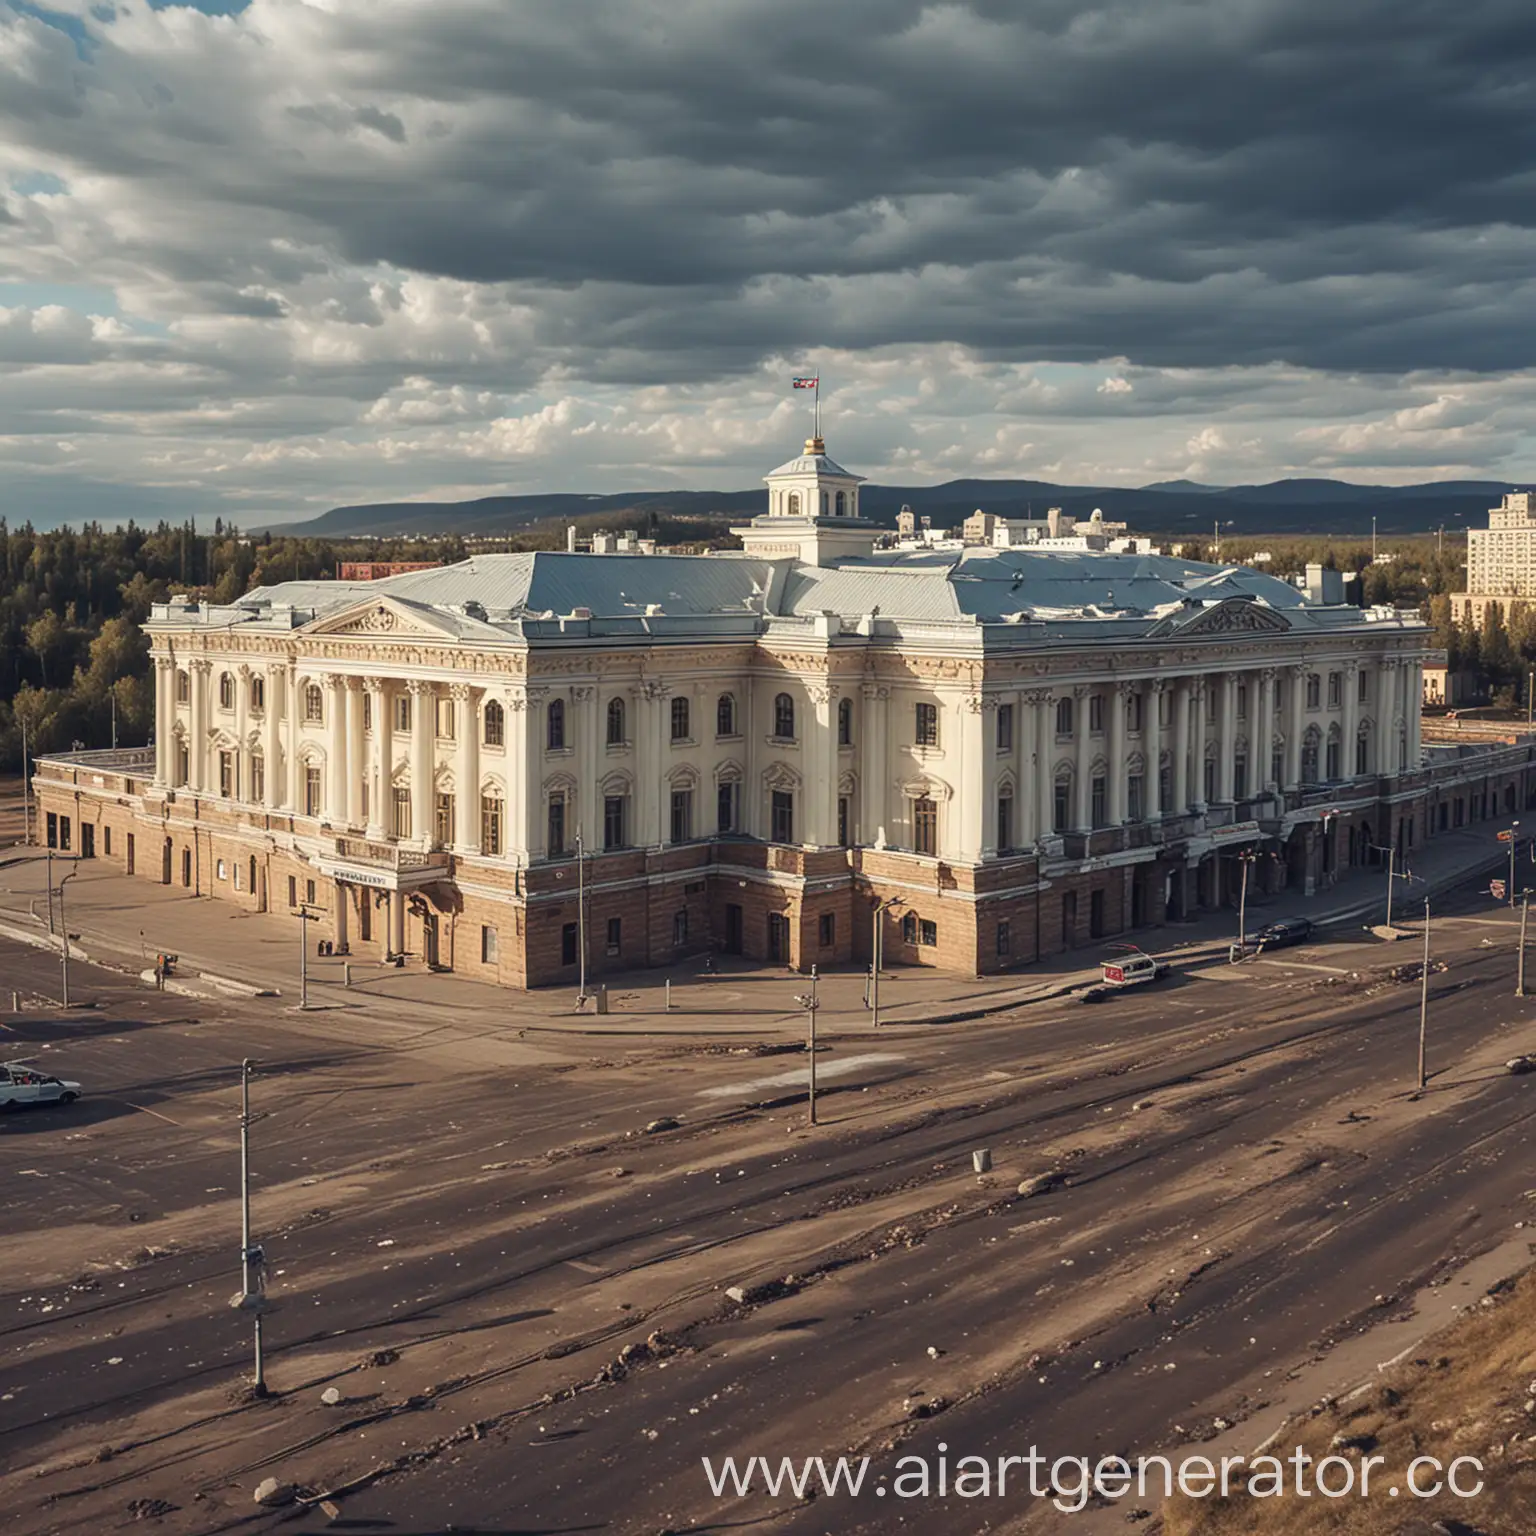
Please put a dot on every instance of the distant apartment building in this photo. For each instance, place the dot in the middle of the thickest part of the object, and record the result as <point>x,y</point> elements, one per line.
<point>1501,560</point>
<point>379,570</point>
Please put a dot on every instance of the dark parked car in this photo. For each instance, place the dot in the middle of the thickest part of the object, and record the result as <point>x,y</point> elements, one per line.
<point>1289,930</point>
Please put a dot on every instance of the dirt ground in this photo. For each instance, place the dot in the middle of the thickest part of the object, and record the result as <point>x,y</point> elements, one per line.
<point>1470,1391</point>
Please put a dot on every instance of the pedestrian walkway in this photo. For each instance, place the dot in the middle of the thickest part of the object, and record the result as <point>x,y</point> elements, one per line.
<point>123,922</point>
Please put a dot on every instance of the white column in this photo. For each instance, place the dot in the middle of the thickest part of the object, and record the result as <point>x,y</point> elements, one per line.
<point>874,792</point>
<point>353,813</point>
<point>242,725</point>
<point>1413,679</point>
<point>272,736</point>
<point>1082,810</point>
<point>818,751</point>
<point>1117,704</point>
<point>165,695</point>
<point>1351,723</point>
<point>1152,735</point>
<point>518,707</point>
<point>1226,762</point>
<point>198,756</point>
<point>336,749</point>
<point>1181,705</point>
<point>381,810</point>
<point>1296,684</point>
<point>1044,784</point>
<point>295,767</point>
<point>1198,704</point>
<point>584,815</point>
<point>1025,801</point>
<point>975,786</point>
<point>1262,742</point>
<point>467,805</point>
<point>423,703</point>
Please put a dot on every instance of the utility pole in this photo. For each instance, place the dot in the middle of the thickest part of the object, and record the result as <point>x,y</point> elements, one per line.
<point>26,788</point>
<point>1514,840</point>
<point>1391,871</point>
<point>1424,1001</point>
<point>1530,696</point>
<point>581,923</point>
<point>252,1297</point>
<point>1525,915</point>
<point>64,932</point>
<point>112,694</point>
<point>51,929</point>
<point>1246,860</point>
<point>877,954</point>
<point>306,917</point>
<point>811,1002</point>
<point>1373,541</point>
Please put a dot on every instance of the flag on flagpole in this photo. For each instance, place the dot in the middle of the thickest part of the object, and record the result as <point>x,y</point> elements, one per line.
<point>807,383</point>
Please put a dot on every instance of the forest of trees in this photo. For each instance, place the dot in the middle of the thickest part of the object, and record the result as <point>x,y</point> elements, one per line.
<point>71,603</point>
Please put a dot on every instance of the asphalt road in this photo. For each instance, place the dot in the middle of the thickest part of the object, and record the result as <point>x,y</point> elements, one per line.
<point>1244,1176</point>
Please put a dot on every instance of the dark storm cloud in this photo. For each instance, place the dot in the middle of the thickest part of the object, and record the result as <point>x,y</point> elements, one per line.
<point>697,181</point>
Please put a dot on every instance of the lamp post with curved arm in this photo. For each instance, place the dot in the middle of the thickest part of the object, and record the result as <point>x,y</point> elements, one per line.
<point>877,950</point>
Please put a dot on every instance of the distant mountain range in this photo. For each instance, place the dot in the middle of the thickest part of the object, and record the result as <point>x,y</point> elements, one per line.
<point>1170,507</point>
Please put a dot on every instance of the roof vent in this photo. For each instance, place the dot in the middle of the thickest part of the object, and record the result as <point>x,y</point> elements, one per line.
<point>475,610</point>
<point>654,611</point>
<point>581,613</point>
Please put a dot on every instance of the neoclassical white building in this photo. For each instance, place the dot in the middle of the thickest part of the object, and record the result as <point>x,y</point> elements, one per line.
<point>1012,751</point>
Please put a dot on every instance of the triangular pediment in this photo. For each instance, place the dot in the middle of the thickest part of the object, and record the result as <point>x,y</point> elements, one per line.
<point>383,618</point>
<point>1235,616</point>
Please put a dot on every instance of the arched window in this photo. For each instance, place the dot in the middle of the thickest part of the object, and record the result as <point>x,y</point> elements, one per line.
<point>784,717</point>
<point>554,725</point>
<point>680,721</point>
<point>794,503</point>
<point>1063,717</point>
<point>845,721</point>
<point>725,715</point>
<point>314,704</point>
<point>495,724</point>
<point>842,503</point>
<point>226,691</point>
<point>615,722</point>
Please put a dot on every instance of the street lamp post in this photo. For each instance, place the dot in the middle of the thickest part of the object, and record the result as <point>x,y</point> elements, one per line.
<point>306,917</point>
<point>1525,917</point>
<point>1392,874</point>
<point>581,923</point>
<point>1514,840</point>
<point>64,932</point>
<point>877,954</point>
<point>252,1297</point>
<point>26,788</point>
<point>1424,1001</point>
<point>811,1003</point>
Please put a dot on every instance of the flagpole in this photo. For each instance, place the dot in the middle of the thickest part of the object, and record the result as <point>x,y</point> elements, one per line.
<point>817,393</point>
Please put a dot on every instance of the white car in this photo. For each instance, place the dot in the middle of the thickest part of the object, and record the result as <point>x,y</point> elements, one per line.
<point>22,1084</point>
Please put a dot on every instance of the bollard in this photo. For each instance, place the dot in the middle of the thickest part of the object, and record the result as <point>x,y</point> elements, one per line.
<point>981,1160</point>
<point>669,994</point>
<point>15,1001</point>
<point>346,973</point>
<point>602,998</point>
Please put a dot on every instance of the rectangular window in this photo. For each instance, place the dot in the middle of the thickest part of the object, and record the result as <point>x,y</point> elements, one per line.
<point>1365,686</point>
<point>614,818</point>
<point>293,891</point>
<point>1165,788</point>
<point>682,815</point>
<point>1314,690</point>
<point>680,928</point>
<point>1099,789</point>
<point>1333,759</point>
<point>615,935</point>
<point>927,932</point>
<point>129,860</point>
<point>1210,781</point>
<point>222,874</point>
<point>1360,756</point>
<point>844,823</point>
<point>725,809</point>
<point>680,717</point>
<point>909,928</point>
<point>1242,701</point>
<point>311,791</point>
<point>487,946</point>
<point>442,819</point>
<point>309,892</point>
<point>258,780</point>
<point>227,775</point>
<point>1133,707</point>
<point>927,725</point>
<point>445,719</point>
<point>1005,727</point>
<point>1004,940</point>
<point>1061,805</point>
<point>368,710</point>
<point>1136,797</point>
<point>402,801</point>
<point>1277,767</point>
<point>1095,713</point>
<point>1240,776</point>
<point>557,826</point>
<point>1004,823</point>
<point>568,941</point>
<point>783,817</point>
<point>492,813</point>
<point>925,827</point>
<point>826,929</point>
<point>1335,689</point>
<point>402,712</point>
<point>237,874</point>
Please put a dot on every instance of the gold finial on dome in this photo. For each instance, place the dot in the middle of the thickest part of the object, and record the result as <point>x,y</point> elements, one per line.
<point>815,445</point>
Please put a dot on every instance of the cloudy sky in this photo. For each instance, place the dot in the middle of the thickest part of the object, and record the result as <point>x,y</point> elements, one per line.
<point>267,258</point>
